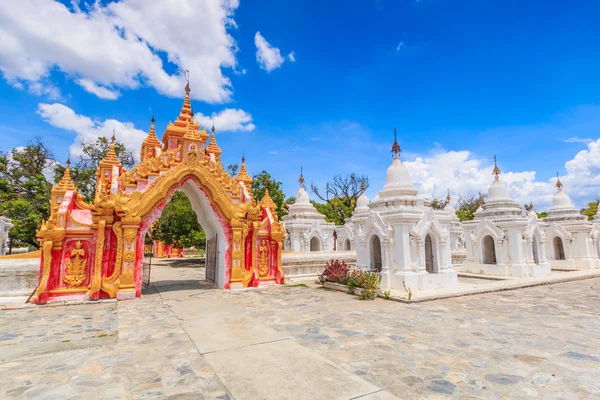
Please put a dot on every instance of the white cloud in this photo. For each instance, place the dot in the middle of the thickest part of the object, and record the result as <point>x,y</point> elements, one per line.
<point>268,56</point>
<point>400,45</point>
<point>88,130</point>
<point>116,46</point>
<point>99,91</point>
<point>465,174</point>
<point>230,119</point>
<point>578,140</point>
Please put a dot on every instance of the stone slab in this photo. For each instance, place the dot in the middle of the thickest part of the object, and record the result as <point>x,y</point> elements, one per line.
<point>283,370</point>
<point>381,395</point>
<point>228,332</point>
<point>204,307</point>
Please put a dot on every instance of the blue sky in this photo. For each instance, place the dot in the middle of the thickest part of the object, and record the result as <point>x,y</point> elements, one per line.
<point>460,80</point>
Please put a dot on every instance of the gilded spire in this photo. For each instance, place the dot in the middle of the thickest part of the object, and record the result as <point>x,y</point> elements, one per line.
<point>111,156</point>
<point>496,171</point>
<point>362,186</point>
<point>530,204</point>
<point>243,176</point>
<point>65,183</point>
<point>267,201</point>
<point>151,140</point>
<point>559,184</point>
<point>301,179</point>
<point>448,198</point>
<point>212,146</point>
<point>396,147</point>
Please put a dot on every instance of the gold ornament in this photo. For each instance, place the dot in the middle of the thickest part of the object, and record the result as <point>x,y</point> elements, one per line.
<point>76,275</point>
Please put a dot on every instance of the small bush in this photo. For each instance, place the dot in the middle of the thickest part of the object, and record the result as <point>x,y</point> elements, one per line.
<point>370,287</point>
<point>335,271</point>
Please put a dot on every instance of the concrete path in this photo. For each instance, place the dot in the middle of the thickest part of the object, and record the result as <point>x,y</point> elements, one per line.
<point>254,361</point>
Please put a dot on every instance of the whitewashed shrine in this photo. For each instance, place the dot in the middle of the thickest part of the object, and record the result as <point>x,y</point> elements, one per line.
<point>572,242</point>
<point>401,237</point>
<point>501,241</point>
<point>305,227</point>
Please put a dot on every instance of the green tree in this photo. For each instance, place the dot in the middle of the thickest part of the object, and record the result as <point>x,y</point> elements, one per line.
<point>340,196</point>
<point>437,204</point>
<point>468,205</point>
<point>262,180</point>
<point>232,170</point>
<point>179,224</point>
<point>25,191</point>
<point>83,171</point>
<point>591,210</point>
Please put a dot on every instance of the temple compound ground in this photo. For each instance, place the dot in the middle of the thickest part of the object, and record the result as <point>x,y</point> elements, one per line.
<point>186,340</point>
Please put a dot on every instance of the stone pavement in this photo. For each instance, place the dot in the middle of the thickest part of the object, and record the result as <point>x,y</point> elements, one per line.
<point>185,339</point>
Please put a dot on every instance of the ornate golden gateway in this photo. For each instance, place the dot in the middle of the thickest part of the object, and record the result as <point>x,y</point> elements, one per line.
<point>95,250</point>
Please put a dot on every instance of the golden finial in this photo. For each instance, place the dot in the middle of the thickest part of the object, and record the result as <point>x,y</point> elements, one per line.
<point>65,183</point>
<point>530,204</point>
<point>362,186</point>
<point>448,198</point>
<point>267,201</point>
<point>396,147</point>
<point>301,179</point>
<point>559,184</point>
<point>187,78</point>
<point>496,171</point>
<point>243,176</point>
<point>480,201</point>
<point>113,136</point>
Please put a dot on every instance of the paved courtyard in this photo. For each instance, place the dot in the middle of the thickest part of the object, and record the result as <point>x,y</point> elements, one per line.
<point>184,339</point>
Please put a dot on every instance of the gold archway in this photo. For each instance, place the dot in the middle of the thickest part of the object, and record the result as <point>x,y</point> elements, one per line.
<point>95,250</point>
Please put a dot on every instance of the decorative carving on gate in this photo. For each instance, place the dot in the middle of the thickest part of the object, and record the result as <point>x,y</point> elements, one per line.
<point>76,264</point>
<point>126,203</point>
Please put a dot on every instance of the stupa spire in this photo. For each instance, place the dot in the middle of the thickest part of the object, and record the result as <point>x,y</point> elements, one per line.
<point>267,201</point>
<point>448,198</point>
<point>65,184</point>
<point>301,179</point>
<point>243,176</point>
<point>559,184</point>
<point>396,150</point>
<point>496,171</point>
<point>111,156</point>
<point>212,145</point>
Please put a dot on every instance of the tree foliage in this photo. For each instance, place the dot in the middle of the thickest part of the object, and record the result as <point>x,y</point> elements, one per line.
<point>25,190</point>
<point>83,171</point>
<point>340,196</point>
<point>232,170</point>
<point>262,180</point>
<point>591,210</point>
<point>468,205</point>
<point>178,224</point>
<point>437,204</point>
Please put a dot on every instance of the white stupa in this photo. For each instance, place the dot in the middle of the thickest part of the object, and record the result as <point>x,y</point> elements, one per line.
<point>306,228</point>
<point>572,242</point>
<point>396,234</point>
<point>501,241</point>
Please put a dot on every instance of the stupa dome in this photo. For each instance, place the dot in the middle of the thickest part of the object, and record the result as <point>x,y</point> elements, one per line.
<point>561,200</point>
<point>498,191</point>
<point>302,196</point>
<point>397,175</point>
<point>363,201</point>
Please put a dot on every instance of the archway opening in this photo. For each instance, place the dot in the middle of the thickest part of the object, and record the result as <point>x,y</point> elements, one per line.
<point>376,263</point>
<point>187,219</point>
<point>430,258</point>
<point>315,245</point>
<point>559,249</point>
<point>535,250</point>
<point>489,250</point>
<point>347,245</point>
